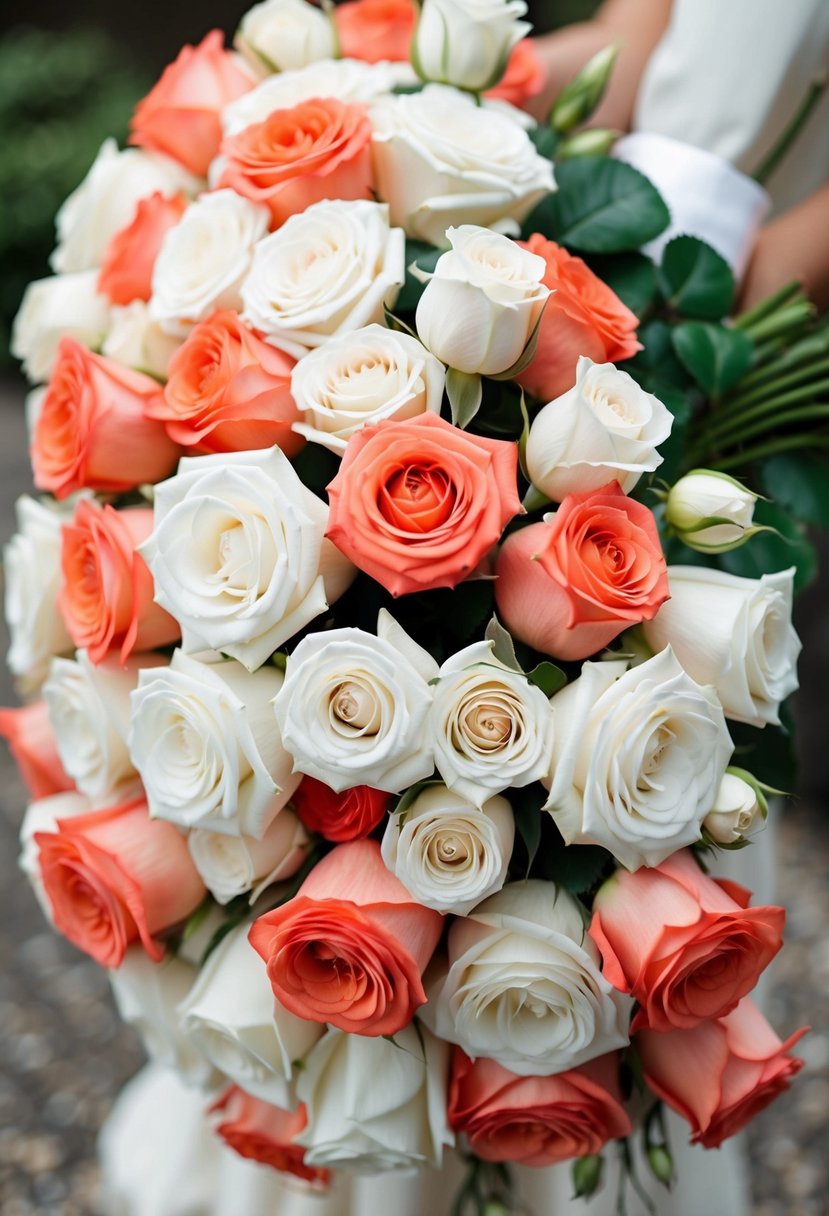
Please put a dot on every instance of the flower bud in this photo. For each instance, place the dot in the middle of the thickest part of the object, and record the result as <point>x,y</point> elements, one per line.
<point>596,142</point>
<point>661,1163</point>
<point>467,43</point>
<point>587,1175</point>
<point>739,810</point>
<point>710,512</point>
<point>284,35</point>
<point>582,95</point>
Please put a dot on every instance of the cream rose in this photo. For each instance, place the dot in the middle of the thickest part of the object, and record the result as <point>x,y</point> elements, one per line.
<point>239,556</point>
<point>441,160</point>
<point>204,259</point>
<point>138,341</point>
<point>450,854</point>
<point>709,511</point>
<point>375,1105</point>
<point>327,271</point>
<point>283,35</point>
<point>54,308</point>
<point>201,736</point>
<point>467,42</point>
<point>237,865</point>
<point>360,378</point>
<point>353,708</point>
<point>737,813</point>
<point>637,760</point>
<point>523,985</point>
<point>603,429</point>
<point>734,633</point>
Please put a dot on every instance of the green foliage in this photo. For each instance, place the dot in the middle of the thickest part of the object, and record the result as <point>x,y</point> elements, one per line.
<point>767,552</point>
<point>767,753</point>
<point>632,276</point>
<point>695,281</point>
<point>714,356</point>
<point>800,484</point>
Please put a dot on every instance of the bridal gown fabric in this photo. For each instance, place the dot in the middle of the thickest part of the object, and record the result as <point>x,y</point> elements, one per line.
<point>726,78</point>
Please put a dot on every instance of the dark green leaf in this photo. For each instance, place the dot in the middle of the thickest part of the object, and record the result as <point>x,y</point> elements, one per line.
<point>425,258</point>
<point>528,821</point>
<point>767,552</point>
<point>577,867</point>
<point>800,483</point>
<point>547,677</point>
<point>545,140</point>
<point>657,362</point>
<point>695,280</point>
<point>632,276</point>
<point>768,754</point>
<point>716,357</point>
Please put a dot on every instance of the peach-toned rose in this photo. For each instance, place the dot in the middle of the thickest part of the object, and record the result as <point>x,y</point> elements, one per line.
<point>686,947</point>
<point>94,430</point>
<point>375,30</point>
<point>114,877</point>
<point>418,504</point>
<point>228,391</point>
<point>571,584</point>
<point>720,1074</point>
<point>31,741</point>
<point>127,268</point>
<point>107,595</point>
<point>181,115</point>
<point>261,1132</point>
<point>319,149</point>
<point>536,1121</point>
<point>348,815</point>
<point>583,317</point>
<point>524,78</point>
<point>350,948</point>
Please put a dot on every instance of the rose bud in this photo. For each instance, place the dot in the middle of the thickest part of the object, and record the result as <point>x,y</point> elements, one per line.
<point>283,35</point>
<point>467,45</point>
<point>710,512</point>
<point>739,811</point>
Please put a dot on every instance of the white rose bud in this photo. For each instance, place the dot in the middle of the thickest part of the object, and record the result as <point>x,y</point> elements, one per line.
<point>467,42</point>
<point>375,1105</point>
<point>202,738</point>
<point>734,633</point>
<point>235,865</point>
<point>42,816</point>
<point>280,35</point>
<point>710,512</point>
<point>737,812</point>
<point>440,159</point>
<point>204,259</point>
<point>448,854</point>
<point>65,305</point>
<point>524,985</point>
<point>328,270</point>
<point>361,378</point>
<point>605,428</point>
<point>138,341</point>
<point>483,301</point>
<point>239,556</point>
<point>637,760</point>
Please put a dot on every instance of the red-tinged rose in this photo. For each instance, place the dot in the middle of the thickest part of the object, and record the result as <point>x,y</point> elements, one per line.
<point>350,948</point>
<point>31,741</point>
<point>687,947</point>
<point>265,1133</point>
<point>720,1074</point>
<point>127,267</point>
<point>375,30</point>
<point>419,504</point>
<point>350,815</point>
<point>536,1121</point>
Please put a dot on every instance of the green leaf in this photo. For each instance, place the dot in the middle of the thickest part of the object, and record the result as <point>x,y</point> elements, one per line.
<point>547,677</point>
<point>632,276</point>
<point>657,363</point>
<point>425,257</point>
<point>716,357</point>
<point>800,483</point>
<point>465,395</point>
<point>577,867</point>
<point>601,206</point>
<point>503,646</point>
<point>695,281</point>
<point>528,820</point>
<point>545,140</point>
<point>768,753</point>
<point>768,552</point>
<point>316,467</point>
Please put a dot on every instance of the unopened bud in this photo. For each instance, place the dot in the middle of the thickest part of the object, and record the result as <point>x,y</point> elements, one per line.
<point>739,810</point>
<point>581,96</point>
<point>661,1163</point>
<point>710,512</point>
<point>587,1175</point>
<point>595,142</point>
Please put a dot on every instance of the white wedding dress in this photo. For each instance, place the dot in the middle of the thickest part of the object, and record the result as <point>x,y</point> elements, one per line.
<point>726,78</point>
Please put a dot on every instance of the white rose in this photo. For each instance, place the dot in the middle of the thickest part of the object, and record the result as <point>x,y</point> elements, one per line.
<point>65,305</point>
<point>204,259</point>
<point>524,985</point>
<point>467,42</point>
<point>353,708</point>
<point>737,812</point>
<point>139,342</point>
<point>280,35</point>
<point>328,270</point>
<point>360,378</point>
<point>448,854</point>
<point>482,302</point>
<point>734,633</point>
<point>489,727</point>
<point>89,710</point>
<point>605,428</point>
<point>702,497</point>
<point>375,1105</point>
<point>33,578</point>
<point>235,865</point>
<point>106,199</point>
<point>239,556</point>
<point>440,159</point>
<point>201,736</point>
<point>231,1016</point>
<point>637,760</point>
<point>147,995</point>
<point>42,816</point>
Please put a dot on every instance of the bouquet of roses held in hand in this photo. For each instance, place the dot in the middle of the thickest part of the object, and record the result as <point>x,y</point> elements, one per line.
<point>372,739</point>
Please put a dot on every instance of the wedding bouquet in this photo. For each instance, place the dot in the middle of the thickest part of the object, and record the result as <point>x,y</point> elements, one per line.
<point>399,651</point>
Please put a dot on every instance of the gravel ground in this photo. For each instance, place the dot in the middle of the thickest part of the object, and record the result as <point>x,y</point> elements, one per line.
<point>64,1054</point>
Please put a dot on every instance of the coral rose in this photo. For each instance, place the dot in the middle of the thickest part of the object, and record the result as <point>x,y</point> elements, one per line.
<point>350,948</point>
<point>114,877</point>
<point>348,815</point>
<point>686,947</point>
<point>94,431</point>
<point>319,149</point>
<point>536,1120</point>
<point>181,115</point>
<point>524,78</point>
<point>375,30</point>
<point>228,391</point>
<point>583,317</point>
<point>418,504</point>
<point>261,1132</point>
<point>720,1074</point>
<point>127,268</point>
<point>571,584</point>
<point>31,741</point>
<point>107,595</point>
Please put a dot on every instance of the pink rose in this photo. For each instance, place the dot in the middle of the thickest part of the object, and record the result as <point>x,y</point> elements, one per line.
<point>31,741</point>
<point>127,268</point>
<point>375,30</point>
